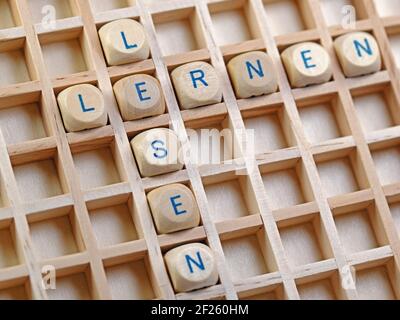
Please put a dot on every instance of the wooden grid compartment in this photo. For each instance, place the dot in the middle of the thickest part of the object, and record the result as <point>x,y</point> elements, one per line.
<point>304,240</point>
<point>130,280</point>
<point>293,12</point>
<point>341,174</point>
<point>377,282</point>
<point>359,227</point>
<point>248,256</point>
<point>180,26</point>
<point>107,5</point>
<point>18,290</point>
<point>68,46</point>
<point>387,163</point>
<point>22,120</point>
<point>286,184</point>
<point>270,129</point>
<point>40,178</point>
<point>8,253</point>
<point>387,8</point>
<point>323,119</point>
<point>337,12</point>
<point>232,22</point>
<point>112,221</point>
<point>7,15</point>
<point>73,285</point>
<point>98,166</point>
<point>320,287</point>
<point>41,9</point>
<point>85,201</point>
<point>377,109</point>
<point>14,57</point>
<point>55,233</point>
<point>229,197</point>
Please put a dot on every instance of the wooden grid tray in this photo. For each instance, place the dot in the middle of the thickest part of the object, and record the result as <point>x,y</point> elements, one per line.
<point>321,210</point>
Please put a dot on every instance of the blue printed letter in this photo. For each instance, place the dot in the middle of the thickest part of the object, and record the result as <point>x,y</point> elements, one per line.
<point>160,152</point>
<point>127,45</point>
<point>198,75</point>
<point>141,91</point>
<point>199,264</point>
<point>83,107</point>
<point>367,48</point>
<point>259,71</point>
<point>175,205</point>
<point>306,60</point>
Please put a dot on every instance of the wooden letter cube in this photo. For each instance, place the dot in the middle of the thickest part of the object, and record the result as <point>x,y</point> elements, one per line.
<point>157,152</point>
<point>252,74</point>
<point>82,107</point>
<point>124,41</point>
<point>191,267</point>
<point>139,96</point>
<point>196,85</point>
<point>174,208</point>
<point>306,64</point>
<point>358,53</point>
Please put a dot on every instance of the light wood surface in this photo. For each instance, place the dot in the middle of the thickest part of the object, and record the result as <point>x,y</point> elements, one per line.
<point>326,156</point>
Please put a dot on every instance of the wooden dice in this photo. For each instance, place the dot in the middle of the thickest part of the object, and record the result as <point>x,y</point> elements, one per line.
<point>124,41</point>
<point>82,107</point>
<point>157,151</point>
<point>196,84</point>
<point>174,208</point>
<point>191,267</point>
<point>139,96</point>
<point>252,74</point>
<point>306,64</point>
<point>358,53</point>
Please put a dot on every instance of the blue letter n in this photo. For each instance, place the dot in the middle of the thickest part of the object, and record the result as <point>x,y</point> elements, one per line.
<point>199,264</point>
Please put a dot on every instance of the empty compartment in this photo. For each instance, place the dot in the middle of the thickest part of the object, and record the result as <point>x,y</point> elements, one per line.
<point>377,109</point>
<point>43,10</point>
<point>72,287</point>
<point>360,230</point>
<point>113,224</point>
<point>40,179</point>
<point>288,11</point>
<point>6,15</point>
<point>15,292</point>
<point>55,233</point>
<point>395,210</point>
<point>271,130</point>
<point>21,123</point>
<point>231,22</point>
<point>387,164</point>
<point>271,293</point>
<point>179,31</point>
<point>65,47</point>
<point>210,142</point>
<point>8,254</point>
<point>387,8</point>
<point>375,284</point>
<point>97,167</point>
<point>247,256</point>
<point>322,289</point>
<point>341,174</point>
<point>230,197</point>
<point>130,281</point>
<point>394,40</point>
<point>107,5</point>
<point>286,184</point>
<point>13,63</point>
<point>339,12</point>
<point>323,119</point>
<point>304,242</point>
